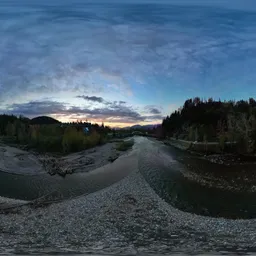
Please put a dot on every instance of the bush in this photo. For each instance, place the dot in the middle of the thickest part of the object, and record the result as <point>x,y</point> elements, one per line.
<point>242,144</point>
<point>10,130</point>
<point>73,140</point>
<point>222,141</point>
<point>92,140</point>
<point>191,134</point>
<point>22,134</point>
<point>51,137</point>
<point>8,139</point>
<point>125,145</point>
<point>48,143</point>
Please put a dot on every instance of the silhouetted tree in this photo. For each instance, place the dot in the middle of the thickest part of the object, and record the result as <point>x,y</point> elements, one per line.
<point>210,120</point>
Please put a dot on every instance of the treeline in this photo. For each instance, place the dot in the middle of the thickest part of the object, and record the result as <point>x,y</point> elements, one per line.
<point>214,121</point>
<point>64,138</point>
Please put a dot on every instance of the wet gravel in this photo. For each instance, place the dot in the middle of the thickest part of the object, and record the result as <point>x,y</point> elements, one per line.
<point>127,217</point>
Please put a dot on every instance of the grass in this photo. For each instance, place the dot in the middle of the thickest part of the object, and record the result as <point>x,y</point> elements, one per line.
<point>124,145</point>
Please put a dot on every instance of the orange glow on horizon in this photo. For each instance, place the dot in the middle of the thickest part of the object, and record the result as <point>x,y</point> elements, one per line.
<point>106,123</point>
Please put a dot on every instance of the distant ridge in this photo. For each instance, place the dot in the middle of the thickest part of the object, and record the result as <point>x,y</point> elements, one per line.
<point>44,120</point>
<point>142,127</point>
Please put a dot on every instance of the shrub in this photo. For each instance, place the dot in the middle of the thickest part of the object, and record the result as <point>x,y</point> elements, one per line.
<point>191,134</point>
<point>222,141</point>
<point>92,140</point>
<point>73,140</point>
<point>22,134</point>
<point>48,143</point>
<point>10,129</point>
<point>125,145</point>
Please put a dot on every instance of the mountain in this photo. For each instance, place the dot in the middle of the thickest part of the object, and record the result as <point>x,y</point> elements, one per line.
<point>44,120</point>
<point>142,127</point>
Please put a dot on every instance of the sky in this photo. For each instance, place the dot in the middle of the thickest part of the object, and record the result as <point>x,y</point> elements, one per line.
<point>120,62</point>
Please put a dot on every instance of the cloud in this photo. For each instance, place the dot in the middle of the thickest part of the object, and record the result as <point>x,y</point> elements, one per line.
<point>119,47</point>
<point>112,104</point>
<point>152,109</point>
<point>116,112</point>
<point>155,111</point>
<point>91,98</point>
<point>36,108</point>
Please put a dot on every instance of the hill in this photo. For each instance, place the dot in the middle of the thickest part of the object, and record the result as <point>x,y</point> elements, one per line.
<point>140,127</point>
<point>144,127</point>
<point>44,120</point>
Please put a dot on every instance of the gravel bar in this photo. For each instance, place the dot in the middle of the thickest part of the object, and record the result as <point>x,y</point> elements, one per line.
<point>127,217</point>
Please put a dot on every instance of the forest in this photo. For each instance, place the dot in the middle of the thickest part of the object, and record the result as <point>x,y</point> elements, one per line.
<point>214,121</point>
<point>46,134</point>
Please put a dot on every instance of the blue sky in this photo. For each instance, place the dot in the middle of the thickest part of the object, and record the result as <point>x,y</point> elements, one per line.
<point>123,63</point>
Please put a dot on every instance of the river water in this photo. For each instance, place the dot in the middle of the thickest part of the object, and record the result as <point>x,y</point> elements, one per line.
<point>56,188</point>
<point>163,168</point>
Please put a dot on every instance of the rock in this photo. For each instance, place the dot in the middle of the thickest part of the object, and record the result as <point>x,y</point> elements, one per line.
<point>130,199</point>
<point>113,157</point>
<point>89,160</point>
<point>52,172</point>
<point>69,171</point>
<point>63,174</point>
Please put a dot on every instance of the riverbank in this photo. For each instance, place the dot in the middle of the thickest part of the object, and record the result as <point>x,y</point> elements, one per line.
<point>18,161</point>
<point>223,171</point>
<point>212,151</point>
<point>127,218</point>
<point>208,148</point>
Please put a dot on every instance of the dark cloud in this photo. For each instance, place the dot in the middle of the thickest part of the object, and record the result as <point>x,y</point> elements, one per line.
<point>35,108</point>
<point>111,106</point>
<point>91,98</point>
<point>152,109</point>
<point>101,100</point>
<point>115,103</point>
<point>155,111</point>
<point>114,113</point>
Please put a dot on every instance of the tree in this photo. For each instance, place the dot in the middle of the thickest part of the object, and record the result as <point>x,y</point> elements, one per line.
<point>73,140</point>
<point>196,101</point>
<point>210,100</point>
<point>214,121</point>
<point>252,102</point>
<point>10,129</point>
<point>22,134</point>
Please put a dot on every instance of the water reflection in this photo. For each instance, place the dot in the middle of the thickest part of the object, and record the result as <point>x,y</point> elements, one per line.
<point>29,187</point>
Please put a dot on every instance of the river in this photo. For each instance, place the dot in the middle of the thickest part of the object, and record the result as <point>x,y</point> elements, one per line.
<point>165,167</point>
<point>117,209</point>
